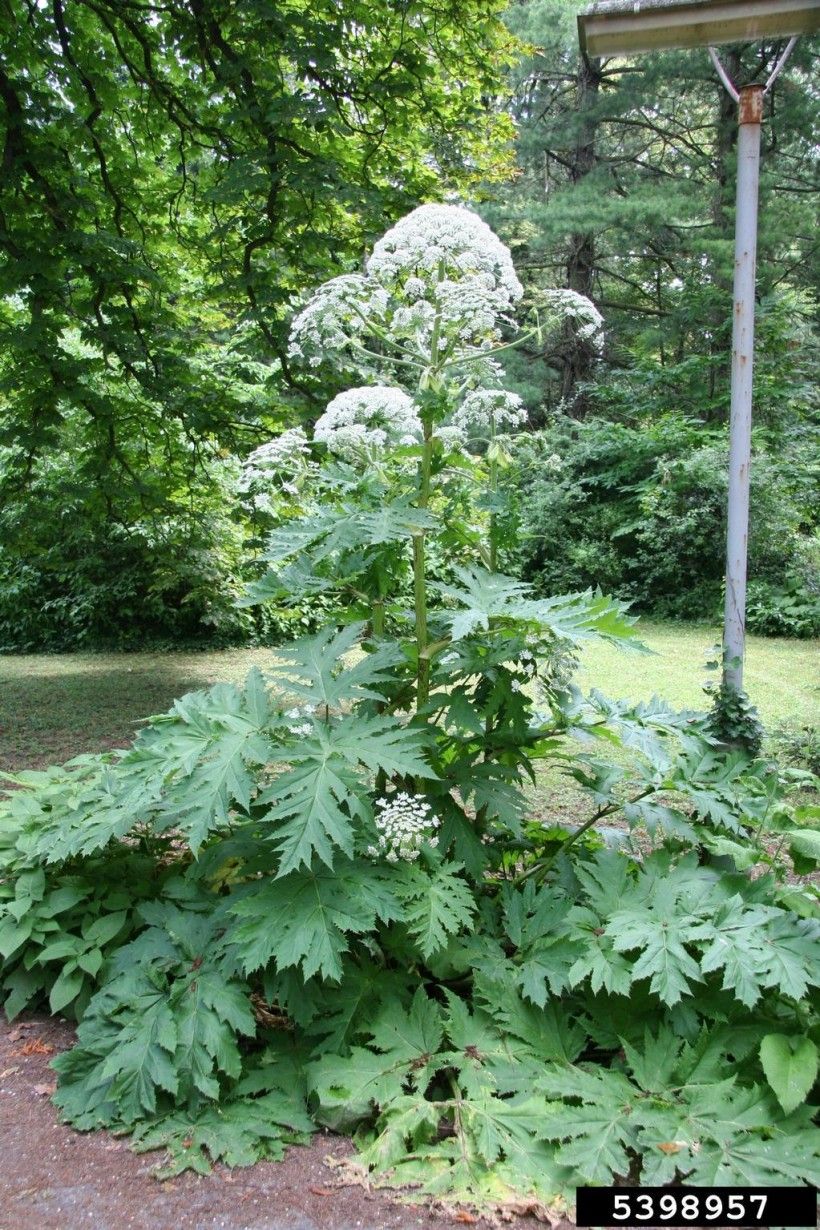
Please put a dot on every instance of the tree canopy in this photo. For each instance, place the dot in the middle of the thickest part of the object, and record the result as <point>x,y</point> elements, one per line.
<point>175,174</point>
<point>626,194</point>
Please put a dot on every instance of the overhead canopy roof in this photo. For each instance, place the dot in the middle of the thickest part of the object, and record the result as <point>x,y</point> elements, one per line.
<point>621,27</point>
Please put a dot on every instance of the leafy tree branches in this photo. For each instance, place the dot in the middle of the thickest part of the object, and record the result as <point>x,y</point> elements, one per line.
<point>627,195</point>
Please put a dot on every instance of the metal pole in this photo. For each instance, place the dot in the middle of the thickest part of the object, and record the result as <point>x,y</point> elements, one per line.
<point>750,114</point>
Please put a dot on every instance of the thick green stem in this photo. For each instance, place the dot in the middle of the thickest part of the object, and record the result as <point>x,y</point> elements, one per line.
<point>493,490</point>
<point>462,360</point>
<point>420,578</point>
<point>541,869</point>
<point>377,618</point>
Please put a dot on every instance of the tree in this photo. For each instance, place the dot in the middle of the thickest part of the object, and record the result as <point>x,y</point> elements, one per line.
<point>626,193</point>
<point>173,177</point>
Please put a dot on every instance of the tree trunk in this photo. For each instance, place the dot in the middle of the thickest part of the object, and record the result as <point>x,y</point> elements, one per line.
<point>577,355</point>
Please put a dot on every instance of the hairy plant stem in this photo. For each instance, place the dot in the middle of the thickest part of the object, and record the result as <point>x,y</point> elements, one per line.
<point>493,489</point>
<point>377,617</point>
<point>540,869</point>
<point>377,631</point>
<point>419,562</point>
<point>463,360</point>
<point>420,578</point>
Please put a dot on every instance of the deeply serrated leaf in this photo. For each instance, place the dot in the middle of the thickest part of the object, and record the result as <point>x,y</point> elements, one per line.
<point>598,1133</point>
<point>237,1133</point>
<point>403,1053</point>
<point>437,904</point>
<point>305,918</point>
<point>660,928</point>
<point>483,596</point>
<point>316,669</point>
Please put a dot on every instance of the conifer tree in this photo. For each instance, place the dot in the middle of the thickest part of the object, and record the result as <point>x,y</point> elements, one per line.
<point>626,193</point>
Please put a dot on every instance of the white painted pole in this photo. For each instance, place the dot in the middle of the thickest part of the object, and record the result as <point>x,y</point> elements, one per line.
<point>750,114</point>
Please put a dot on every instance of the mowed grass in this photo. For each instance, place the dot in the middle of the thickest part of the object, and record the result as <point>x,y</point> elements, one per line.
<point>53,707</point>
<point>782,677</point>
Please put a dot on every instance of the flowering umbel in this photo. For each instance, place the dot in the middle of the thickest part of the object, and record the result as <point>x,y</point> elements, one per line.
<point>589,323</point>
<point>276,459</point>
<point>366,420</point>
<point>335,317</point>
<point>443,259</point>
<point>485,411</point>
<point>405,823</point>
<point>440,271</point>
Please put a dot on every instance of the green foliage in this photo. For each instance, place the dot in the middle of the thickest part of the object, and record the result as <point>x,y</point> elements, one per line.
<point>170,189</point>
<point>437,904</point>
<point>797,745</point>
<point>638,507</point>
<point>789,609</point>
<point>790,1065</point>
<point>56,931</point>
<point>706,1132</point>
<point>171,192</point>
<point>86,561</point>
<point>733,718</point>
<point>482,597</point>
<point>564,962</point>
<point>163,1030</point>
<point>303,920</point>
<point>67,903</point>
<point>237,1133</point>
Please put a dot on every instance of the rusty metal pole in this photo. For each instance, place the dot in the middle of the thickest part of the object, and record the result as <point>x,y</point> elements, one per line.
<point>750,115</point>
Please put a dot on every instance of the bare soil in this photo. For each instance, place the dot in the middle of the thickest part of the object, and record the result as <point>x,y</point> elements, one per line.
<point>53,1178</point>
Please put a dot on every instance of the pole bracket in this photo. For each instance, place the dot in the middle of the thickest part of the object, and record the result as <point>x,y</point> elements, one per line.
<point>731,88</point>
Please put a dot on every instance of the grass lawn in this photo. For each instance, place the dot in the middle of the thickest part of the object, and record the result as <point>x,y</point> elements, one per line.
<point>55,706</point>
<point>782,677</point>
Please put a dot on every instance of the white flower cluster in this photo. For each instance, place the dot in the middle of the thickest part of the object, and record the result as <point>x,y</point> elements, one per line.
<point>589,322</point>
<point>337,313</point>
<point>366,420</point>
<point>284,454</point>
<point>483,409</point>
<point>295,726</point>
<point>524,669</point>
<point>448,238</point>
<point>527,664</point>
<point>440,269</point>
<point>554,463</point>
<point>451,436</point>
<point>405,824</point>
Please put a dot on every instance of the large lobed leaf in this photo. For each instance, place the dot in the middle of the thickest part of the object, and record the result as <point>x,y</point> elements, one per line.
<point>166,1023</point>
<point>305,918</point>
<point>483,596</point>
<point>328,785</point>
<point>437,904</point>
<point>324,670</point>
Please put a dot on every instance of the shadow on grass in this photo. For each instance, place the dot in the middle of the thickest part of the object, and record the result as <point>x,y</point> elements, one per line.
<point>48,716</point>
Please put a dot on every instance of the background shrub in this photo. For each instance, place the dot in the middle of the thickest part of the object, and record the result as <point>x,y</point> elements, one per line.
<point>640,510</point>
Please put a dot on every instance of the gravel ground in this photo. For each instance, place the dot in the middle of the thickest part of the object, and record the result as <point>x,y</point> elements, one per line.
<point>53,1178</point>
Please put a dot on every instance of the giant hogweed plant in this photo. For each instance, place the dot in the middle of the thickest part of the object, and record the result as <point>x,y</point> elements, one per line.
<point>318,900</point>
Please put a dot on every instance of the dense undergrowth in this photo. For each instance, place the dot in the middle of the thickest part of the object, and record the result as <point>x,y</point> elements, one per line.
<point>525,1011</point>
<point>317,899</point>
